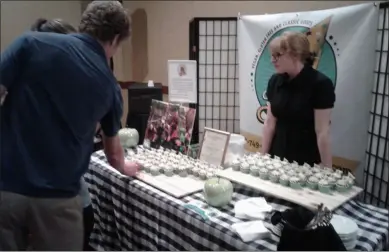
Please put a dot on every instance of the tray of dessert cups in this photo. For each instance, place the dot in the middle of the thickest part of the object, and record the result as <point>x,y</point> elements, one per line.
<point>276,176</point>
<point>174,173</point>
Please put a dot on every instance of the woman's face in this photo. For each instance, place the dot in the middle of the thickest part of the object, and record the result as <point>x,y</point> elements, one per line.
<point>283,62</point>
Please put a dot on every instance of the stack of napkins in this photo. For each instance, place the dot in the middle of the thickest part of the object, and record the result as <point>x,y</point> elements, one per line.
<point>254,209</point>
<point>251,230</point>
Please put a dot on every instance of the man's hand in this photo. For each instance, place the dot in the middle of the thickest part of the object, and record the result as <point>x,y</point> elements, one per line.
<point>131,168</point>
<point>3,94</point>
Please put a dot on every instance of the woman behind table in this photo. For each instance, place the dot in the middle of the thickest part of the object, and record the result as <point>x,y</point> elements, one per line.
<point>59,26</point>
<point>300,101</point>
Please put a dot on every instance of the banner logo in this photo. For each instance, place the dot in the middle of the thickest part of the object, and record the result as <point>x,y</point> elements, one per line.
<point>322,44</point>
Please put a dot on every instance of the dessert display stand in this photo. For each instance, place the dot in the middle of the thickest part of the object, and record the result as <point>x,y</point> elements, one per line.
<point>175,174</point>
<point>304,197</point>
<point>168,177</point>
<point>175,185</point>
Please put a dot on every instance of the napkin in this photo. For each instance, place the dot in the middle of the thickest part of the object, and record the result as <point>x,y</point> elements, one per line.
<point>252,208</point>
<point>251,230</point>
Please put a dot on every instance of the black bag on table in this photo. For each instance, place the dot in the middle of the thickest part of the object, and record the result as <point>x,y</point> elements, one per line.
<point>295,236</point>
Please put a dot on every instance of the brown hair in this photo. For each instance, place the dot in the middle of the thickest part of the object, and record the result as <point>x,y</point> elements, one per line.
<point>53,25</point>
<point>294,43</point>
<point>104,20</point>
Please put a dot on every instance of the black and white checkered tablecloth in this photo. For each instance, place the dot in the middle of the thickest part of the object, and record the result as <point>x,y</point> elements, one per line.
<point>132,215</point>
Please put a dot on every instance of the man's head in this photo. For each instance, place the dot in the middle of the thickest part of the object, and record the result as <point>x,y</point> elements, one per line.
<point>108,22</point>
<point>53,25</point>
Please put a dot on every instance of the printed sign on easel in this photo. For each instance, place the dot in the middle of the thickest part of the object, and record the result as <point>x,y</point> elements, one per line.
<point>182,77</point>
<point>214,146</point>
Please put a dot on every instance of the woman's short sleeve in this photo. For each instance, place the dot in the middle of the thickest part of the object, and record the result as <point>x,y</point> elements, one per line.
<point>270,88</point>
<point>324,95</point>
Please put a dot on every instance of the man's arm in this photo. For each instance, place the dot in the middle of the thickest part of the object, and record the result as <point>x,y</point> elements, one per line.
<point>13,61</point>
<point>114,152</point>
<point>3,94</point>
<point>110,125</point>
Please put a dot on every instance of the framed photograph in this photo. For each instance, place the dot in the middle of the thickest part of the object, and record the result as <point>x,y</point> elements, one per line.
<point>169,126</point>
<point>214,146</point>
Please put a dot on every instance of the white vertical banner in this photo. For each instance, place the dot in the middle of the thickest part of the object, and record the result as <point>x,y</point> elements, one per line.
<point>345,39</point>
<point>182,77</point>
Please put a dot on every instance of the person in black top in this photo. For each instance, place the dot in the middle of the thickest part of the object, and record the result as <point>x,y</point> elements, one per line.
<point>300,100</point>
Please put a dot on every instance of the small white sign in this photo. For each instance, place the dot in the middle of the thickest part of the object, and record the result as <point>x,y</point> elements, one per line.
<point>182,77</point>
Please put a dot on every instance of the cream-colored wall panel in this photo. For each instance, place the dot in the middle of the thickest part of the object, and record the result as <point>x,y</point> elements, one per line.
<point>17,16</point>
<point>168,28</point>
<point>168,24</point>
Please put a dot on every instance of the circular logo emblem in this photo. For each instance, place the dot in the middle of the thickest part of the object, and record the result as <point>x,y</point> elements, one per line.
<point>264,68</point>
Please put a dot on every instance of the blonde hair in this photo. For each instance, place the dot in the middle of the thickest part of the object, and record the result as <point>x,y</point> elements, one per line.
<point>294,43</point>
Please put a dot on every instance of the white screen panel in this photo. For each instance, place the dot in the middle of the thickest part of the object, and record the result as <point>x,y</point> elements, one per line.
<point>218,79</point>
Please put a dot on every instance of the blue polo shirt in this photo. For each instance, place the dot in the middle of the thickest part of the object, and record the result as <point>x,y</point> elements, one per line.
<point>59,86</point>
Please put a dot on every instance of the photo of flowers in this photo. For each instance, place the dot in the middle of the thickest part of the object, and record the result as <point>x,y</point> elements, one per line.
<point>170,126</point>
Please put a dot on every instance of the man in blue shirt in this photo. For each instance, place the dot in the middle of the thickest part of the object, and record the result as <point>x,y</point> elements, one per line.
<point>59,86</point>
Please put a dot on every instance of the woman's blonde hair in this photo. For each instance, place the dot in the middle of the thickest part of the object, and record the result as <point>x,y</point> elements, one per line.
<point>294,43</point>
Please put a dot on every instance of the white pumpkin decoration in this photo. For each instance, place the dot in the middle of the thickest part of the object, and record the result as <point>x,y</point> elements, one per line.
<point>218,191</point>
<point>128,137</point>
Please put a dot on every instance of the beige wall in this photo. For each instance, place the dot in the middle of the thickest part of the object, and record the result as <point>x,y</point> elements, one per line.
<point>168,29</point>
<point>168,25</point>
<point>17,16</point>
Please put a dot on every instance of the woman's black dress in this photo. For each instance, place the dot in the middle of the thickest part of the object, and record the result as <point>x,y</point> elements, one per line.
<point>293,103</point>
